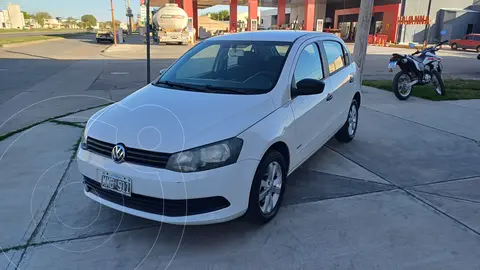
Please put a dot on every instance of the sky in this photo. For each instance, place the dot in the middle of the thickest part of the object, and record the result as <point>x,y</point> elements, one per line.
<point>98,8</point>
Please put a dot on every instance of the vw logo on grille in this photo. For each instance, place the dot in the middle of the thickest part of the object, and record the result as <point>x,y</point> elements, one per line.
<point>118,153</point>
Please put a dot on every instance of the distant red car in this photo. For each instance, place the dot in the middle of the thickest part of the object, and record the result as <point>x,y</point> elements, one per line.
<point>470,41</point>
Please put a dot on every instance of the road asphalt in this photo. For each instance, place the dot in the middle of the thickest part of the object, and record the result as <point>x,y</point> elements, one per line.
<point>404,194</point>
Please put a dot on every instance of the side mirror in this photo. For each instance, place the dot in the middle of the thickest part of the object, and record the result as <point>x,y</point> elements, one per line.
<point>309,87</point>
<point>162,71</point>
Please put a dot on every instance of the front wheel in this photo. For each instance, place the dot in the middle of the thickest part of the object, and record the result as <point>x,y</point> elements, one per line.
<point>438,83</point>
<point>478,48</point>
<point>401,87</point>
<point>267,188</point>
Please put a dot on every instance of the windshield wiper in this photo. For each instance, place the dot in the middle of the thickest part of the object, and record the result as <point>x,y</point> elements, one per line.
<point>181,85</point>
<point>211,87</point>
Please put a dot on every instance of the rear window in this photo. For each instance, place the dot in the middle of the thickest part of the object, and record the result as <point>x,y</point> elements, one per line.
<point>252,67</point>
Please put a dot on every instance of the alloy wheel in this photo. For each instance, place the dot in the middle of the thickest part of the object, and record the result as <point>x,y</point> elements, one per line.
<point>352,120</point>
<point>403,88</point>
<point>270,187</point>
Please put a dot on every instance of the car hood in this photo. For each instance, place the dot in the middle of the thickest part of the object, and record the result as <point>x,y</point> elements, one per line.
<point>167,120</point>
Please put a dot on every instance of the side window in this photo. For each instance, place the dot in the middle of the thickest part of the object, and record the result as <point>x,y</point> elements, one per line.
<point>309,65</point>
<point>477,38</point>
<point>205,59</point>
<point>469,38</point>
<point>335,55</point>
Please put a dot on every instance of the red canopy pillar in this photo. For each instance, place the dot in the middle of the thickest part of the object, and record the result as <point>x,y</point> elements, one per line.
<point>281,12</point>
<point>188,7</point>
<point>309,15</point>
<point>179,3</point>
<point>233,16</point>
<point>195,18</point>
<point>252,13</point>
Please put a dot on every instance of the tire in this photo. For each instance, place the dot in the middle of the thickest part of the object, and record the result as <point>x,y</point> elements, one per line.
<point>396,91</point>
<point>440,82</point>
<point>478,48</point>
<point>454,46</point>
<point>349,129</point>
<point>254,212</point>
<point>180,43</point>
<point>98,41</point>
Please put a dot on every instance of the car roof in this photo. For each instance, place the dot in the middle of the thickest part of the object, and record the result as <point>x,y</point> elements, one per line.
<point>272,35</point>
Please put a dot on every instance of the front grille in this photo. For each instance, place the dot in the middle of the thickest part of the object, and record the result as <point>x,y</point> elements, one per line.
<point>132,155</point>
<point>164,207</point>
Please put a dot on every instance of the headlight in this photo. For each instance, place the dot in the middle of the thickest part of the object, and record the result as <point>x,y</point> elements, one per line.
<point>83,141</point>
<point>206,157</point>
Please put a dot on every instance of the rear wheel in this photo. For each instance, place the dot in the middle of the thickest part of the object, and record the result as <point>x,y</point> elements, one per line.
<point>401,87</point>
<point>268,187</point>
<point>454,46</point>
<point>437,83</point>
<point>348,130</point>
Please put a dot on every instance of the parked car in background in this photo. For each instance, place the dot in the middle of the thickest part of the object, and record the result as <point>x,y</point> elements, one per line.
<point>104,36</point>
<point>216,135</point>
<point>470,41</point>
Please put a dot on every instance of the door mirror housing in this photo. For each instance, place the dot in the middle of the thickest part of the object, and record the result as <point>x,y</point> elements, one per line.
<point>309,87</point>
<point>162,71</point>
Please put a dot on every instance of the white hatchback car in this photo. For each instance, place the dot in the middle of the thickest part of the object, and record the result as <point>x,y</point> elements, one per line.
<point>216,135</point>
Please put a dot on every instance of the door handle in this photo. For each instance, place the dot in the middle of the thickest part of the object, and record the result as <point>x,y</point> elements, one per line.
<point>352,79</point>
<point>329,97</point>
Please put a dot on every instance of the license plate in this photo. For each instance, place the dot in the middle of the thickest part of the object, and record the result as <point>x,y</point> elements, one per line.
<point>174,37</point>
<point>121,185</point>
<point>392,64</point>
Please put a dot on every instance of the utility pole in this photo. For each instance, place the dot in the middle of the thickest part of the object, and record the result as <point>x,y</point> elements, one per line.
<point>147,26</point>
<point>361,37</point>
<point>427,26</point>
<point>129,14</point>
<point>113,24</point>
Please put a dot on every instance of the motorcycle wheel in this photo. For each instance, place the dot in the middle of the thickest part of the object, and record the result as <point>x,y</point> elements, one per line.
<point>400,88</point>
<point>437,82</point>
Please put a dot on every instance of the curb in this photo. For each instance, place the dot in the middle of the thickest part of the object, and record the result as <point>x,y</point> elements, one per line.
<point>29,42</point>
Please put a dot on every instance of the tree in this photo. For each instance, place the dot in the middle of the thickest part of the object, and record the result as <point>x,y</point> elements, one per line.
<point>222,15</point>
<point>108,24</point>
<point>81,25</point>
<point>361,37</point>
<point>26,16</point>
<point>70,22</point>
<point>40,17</point>
<point>89,20</point>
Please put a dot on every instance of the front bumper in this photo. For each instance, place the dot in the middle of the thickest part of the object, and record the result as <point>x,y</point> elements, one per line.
<point>182,190</point>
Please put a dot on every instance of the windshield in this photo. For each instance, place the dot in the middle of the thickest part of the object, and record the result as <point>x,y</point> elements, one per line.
<point>238,67</point>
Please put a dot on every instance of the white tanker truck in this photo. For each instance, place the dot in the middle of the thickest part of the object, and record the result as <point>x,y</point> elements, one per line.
<point>171,23</point>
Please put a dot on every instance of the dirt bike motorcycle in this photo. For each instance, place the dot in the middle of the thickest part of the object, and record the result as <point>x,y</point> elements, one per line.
<point>424,69</point>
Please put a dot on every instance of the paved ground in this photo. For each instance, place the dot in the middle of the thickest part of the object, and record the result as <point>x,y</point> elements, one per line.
<point>403,195</point>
